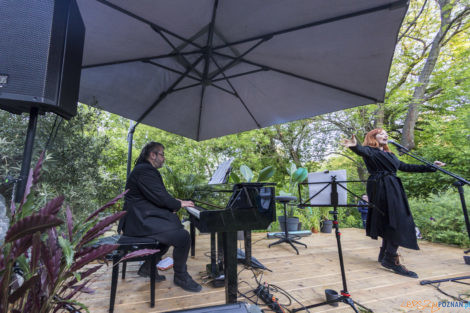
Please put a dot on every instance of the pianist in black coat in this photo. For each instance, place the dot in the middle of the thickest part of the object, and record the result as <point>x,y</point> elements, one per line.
<point>151,212</point>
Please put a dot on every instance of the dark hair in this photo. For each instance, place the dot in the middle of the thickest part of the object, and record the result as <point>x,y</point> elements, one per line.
<point>149,147</point>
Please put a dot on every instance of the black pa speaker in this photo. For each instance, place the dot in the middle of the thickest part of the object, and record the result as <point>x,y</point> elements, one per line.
<point>41,48</point>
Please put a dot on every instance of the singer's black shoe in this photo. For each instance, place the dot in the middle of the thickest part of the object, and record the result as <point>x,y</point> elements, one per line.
<point>381,254</point>
<point>393,262</point>
<point>185,281</point>
<point>144,271</point>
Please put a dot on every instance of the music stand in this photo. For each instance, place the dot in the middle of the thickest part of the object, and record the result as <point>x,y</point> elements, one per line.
<point>345,297</point>
<point>222,173</point>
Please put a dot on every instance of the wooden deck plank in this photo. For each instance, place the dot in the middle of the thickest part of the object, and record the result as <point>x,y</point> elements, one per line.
<point>304,276</point>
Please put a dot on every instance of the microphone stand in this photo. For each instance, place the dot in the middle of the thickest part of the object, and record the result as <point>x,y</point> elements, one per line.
<point>459,183</point>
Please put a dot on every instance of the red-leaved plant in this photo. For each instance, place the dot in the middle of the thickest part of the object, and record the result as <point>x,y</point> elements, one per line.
<point>51,260</point>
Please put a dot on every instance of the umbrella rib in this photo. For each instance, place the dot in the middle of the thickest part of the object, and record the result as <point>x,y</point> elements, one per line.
<point>168,91</point>
<point>181,58</point>
<point>237,59</point>
<point>207,56</point>
<point>225,90</point>
<point>200,84</point>
<point>238,96</point>
<point>161,56</point>
<point>389,6</point>
<point>200,113</point>
<point>208,50</point>
<point>128,13</point>
<point>301,77</point>
<point>172,70</point>
<point>187,86</point>
<point>240,74</point>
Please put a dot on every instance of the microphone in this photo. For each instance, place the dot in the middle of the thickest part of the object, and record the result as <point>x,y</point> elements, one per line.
<point>399,146</point>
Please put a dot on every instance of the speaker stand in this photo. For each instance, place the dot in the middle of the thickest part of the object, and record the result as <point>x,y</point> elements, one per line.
<point>27,154</point>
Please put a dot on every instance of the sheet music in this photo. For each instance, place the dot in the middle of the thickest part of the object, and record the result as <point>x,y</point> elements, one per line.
<point>324,197</point>
<point>221,173</point>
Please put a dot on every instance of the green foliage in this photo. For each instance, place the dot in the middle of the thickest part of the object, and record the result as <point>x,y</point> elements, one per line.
<point>296,176</point>
<point>310,219</point>
<point>440,218</point>
<point>448,142</point>
<point>266,173</point>
<point>246,172</point>
<point>87,160</point>
<point>76,159</point>
<point>248,175</point>
<point>181,185</point>
<point>51,258</point>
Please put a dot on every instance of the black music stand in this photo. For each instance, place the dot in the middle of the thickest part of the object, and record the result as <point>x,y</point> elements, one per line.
<point>286,237</point>
<point>345,296</point>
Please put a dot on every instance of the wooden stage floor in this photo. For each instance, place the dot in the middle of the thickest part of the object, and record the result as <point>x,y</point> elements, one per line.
<point>304,276</point>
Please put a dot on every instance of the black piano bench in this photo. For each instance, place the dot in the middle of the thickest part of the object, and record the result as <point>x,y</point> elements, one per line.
<point>290,239</point>
<point>129,244</point>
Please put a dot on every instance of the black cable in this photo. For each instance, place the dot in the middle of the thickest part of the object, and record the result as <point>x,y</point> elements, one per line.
<point>258,241</point>
<point>57,129</point>
<point>460,282</point>
<point>53,132</point>
<point>273,288</point>
<point>459,298</point>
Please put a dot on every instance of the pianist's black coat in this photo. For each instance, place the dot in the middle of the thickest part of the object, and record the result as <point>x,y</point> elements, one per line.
<point>150,208</point>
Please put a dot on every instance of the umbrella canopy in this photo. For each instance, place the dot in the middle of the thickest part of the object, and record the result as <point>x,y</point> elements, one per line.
<point>208,68</point>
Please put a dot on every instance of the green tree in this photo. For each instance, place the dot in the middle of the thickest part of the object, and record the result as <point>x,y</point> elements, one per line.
<point>76,163</point>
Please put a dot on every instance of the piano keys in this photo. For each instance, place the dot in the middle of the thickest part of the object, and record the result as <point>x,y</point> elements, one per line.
<point>250,206</point>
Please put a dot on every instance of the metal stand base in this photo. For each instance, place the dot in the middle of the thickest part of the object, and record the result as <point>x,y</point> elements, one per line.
<point>289,241</point>
<point>286,237</point>
<point>342,298</point>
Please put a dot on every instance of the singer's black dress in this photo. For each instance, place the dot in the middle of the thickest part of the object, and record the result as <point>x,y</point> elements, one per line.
<point>391,217</point>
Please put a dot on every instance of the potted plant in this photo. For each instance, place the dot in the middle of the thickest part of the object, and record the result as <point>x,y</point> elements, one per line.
<point>296,176</point>
<point>313,218</point>
<point>326,223</point>
<point>315,225</point>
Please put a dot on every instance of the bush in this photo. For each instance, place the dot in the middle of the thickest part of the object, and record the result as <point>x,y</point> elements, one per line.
<point>42,265</point>
<point>440,218</point>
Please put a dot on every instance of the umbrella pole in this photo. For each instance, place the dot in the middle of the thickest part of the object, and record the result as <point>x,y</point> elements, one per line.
<point>130,140</point>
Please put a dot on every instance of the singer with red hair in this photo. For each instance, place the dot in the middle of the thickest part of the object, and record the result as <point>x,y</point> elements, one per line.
<point>389,214</point>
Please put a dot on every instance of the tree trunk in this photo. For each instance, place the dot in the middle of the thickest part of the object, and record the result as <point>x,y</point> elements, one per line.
<point>407,139</point>
<point>380,114</point>
<point>288,145</point>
